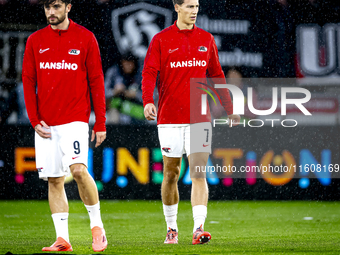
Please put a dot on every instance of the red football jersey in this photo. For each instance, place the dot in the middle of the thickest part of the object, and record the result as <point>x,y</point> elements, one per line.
<point>174,57</point>
<point>60,69</point>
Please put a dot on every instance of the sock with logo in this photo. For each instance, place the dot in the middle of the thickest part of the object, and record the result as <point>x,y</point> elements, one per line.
<point>170,213</point>
<point>199,213</point>
<point>60,221</point>
<point>94,213</point>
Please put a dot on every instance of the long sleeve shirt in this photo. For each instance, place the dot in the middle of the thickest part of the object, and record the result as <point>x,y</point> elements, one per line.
<point>60,70</point>
<point>174,57</point>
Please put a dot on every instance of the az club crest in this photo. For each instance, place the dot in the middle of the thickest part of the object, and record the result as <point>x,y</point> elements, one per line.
<point>166,149</point>
<point>74,52</point>
<point>134,26</point>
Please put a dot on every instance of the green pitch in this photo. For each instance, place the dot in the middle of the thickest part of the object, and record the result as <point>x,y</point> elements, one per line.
<point>138,227</point>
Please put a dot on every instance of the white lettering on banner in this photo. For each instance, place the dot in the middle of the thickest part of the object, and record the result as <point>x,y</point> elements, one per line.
<point>135,25</point>
<point>318,49</point>
<point>239,58</point>
<point>58,65</point>
<point>189,63</point>
<point>222,26</point>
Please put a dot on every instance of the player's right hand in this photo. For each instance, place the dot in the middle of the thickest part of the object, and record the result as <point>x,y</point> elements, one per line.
<point>150,111</point>
<point>43,130</point>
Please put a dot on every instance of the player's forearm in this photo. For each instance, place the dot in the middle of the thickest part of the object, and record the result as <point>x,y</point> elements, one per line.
<point>148,86</point>
<point>147,95</point>
<point>29,85</point>
<point>99,111</point>
<point>99,104</point>
<point>226,101</point>
<point>223,93</point>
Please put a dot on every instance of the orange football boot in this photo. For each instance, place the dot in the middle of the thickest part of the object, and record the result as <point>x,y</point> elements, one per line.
<point>99,242</point>
<point>171,236</point>
<point>60,245</point>
<point>200,236</point>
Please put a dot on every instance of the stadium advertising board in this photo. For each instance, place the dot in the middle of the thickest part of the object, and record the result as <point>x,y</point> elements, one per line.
<point>129,164</point>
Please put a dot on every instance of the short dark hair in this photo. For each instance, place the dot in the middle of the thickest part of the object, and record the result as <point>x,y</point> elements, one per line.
<point>179,2</point>
<point>49,2</point>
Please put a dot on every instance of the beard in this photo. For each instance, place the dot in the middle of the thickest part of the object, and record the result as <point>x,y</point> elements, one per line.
<point>57,20</point>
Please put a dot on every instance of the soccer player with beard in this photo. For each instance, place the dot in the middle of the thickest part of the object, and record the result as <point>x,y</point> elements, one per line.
<point>61,68</point>
<point>176,54</point>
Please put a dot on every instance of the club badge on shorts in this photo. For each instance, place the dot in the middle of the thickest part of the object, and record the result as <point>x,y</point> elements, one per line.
<point>166,149</point>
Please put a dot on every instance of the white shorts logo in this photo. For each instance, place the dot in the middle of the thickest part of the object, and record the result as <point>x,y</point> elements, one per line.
<point>166,149</point>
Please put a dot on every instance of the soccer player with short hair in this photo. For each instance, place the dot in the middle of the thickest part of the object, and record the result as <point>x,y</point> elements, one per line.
<point>61,68</point>
<point>169,63</point>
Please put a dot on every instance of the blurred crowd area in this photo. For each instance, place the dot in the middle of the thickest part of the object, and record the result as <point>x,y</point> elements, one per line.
<point>273,28</point>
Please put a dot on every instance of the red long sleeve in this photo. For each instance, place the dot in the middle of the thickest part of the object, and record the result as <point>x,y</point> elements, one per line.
<point>152,61</point>
<point>60,69</point>
<point>174,57</point>
<point>215,71</point>
<point>96,82</point>
<point>29,79</point>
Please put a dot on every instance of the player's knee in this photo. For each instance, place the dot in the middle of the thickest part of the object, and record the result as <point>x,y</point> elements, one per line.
<point>78,172</point>
<point>56,181</point>
<point>171,176</point>
<point>199,181</point>
<point>171,169</point>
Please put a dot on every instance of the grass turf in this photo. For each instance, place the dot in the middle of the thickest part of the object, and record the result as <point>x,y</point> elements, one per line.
<point>138,227</point>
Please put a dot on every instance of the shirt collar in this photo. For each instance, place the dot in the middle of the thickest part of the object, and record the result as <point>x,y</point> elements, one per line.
<point>183,30</point>
<point>59,31</point>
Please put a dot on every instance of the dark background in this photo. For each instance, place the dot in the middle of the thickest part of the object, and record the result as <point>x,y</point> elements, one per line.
<point>272,33</point>
<point>272,25</point>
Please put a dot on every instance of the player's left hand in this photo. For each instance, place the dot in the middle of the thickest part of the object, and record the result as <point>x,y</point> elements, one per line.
<point>100,137</point>
<point>234,120</point>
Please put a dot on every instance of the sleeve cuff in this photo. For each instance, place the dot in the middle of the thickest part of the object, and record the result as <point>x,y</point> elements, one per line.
<point>148,102</point>
<point>34,123</point>
<point>99,127</point>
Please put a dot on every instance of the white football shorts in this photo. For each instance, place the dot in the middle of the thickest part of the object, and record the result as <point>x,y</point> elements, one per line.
<point>68,145</point>
<point>177,139</point>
